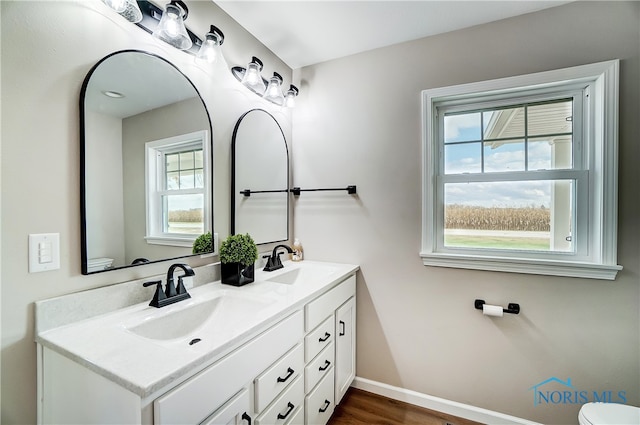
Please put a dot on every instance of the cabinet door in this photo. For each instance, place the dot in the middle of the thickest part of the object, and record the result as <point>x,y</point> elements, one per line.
<point>345,366</point>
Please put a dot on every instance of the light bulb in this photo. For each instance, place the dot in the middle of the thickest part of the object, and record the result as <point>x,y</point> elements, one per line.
<point>274,90</point>
<point>210,49</point>
<point>252,78</point>
<point>290,98</point>
<point>117,5</point>
<point>171,28</point>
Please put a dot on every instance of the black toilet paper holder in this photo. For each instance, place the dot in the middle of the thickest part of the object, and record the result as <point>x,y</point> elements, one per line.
<point>512,308</point>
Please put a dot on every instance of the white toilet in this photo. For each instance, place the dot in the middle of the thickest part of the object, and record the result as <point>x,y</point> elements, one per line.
<point>608,413</point>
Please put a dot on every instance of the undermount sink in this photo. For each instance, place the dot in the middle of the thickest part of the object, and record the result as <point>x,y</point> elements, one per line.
<point>307,273</point>
<point>180,322</point>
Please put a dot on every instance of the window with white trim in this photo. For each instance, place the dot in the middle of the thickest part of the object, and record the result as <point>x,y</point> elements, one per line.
<point>520,174</point>
<point>178,202</point>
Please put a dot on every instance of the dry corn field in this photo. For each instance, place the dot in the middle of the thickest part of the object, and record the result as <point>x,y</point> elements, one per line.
<point>186,216</point>
<point>482,218</point>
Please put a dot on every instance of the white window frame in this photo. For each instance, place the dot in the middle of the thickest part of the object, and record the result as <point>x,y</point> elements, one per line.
<point>597,257</point>
<point>154,186</point>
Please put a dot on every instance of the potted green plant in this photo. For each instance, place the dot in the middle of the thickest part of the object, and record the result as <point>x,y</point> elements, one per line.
<point>238,254</point>
<point>203,244</point>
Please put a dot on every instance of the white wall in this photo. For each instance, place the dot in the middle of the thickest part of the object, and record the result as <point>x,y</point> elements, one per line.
<point>358,121</point>
<point>104,206</point>
<point>47,49</point>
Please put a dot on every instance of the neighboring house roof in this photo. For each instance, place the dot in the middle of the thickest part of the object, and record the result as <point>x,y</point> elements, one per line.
<point>548,118</point>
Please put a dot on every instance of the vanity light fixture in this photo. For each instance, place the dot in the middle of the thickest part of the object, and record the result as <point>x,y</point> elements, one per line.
<point>171,28</point>
<point>127,8</point>
<point>274,90</point>
<point>290,98</point>
<point>210,48</point>
<point>251,77</point>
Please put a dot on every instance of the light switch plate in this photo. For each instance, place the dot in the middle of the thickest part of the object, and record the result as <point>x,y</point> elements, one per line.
<point>44,252</point>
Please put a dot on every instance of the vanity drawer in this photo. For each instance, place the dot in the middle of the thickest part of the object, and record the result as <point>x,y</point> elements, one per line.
<point>284,407</point>
<point>220,381</point>
<point>277,377</point>
<point>319,405</point>
<point>318,310</point>
<point>297,418</point>
<point>231,412</point>
<point>318,367</point>
<point>319,338</point>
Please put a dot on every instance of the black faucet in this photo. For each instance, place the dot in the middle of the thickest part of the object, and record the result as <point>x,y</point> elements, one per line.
<point>171,294</point>
<point>273,261</point>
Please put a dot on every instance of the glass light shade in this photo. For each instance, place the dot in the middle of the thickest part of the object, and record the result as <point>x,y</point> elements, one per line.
<point>252,78</point>
<point>171,28</point>
<point>132,12</point>
<point>290,98</point>
<point>117,5</point>
<point>274,90</point>
<point>210,49</point>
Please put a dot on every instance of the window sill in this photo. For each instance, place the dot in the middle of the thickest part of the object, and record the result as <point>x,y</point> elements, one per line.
<point>186,242</point>
<point>522,265</point>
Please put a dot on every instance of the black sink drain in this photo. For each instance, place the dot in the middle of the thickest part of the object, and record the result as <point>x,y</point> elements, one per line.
<point>194,341</point>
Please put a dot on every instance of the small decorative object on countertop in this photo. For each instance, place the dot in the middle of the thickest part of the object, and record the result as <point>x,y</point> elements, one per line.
<point>238,254</point>
<point>298,251</point>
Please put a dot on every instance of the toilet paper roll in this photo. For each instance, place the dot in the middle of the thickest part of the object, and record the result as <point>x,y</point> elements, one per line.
<point>492,310</point>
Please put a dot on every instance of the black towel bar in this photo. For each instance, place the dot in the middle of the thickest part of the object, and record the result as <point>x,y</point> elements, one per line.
<point>351,190</point>
<point>248,192</point>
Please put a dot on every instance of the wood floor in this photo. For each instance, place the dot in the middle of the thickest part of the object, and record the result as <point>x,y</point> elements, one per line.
<point>360,407</point>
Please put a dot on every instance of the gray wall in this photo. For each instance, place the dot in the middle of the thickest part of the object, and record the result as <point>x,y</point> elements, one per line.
<point>359,122</point>
<point>47,49</point>
<point>172,120</point>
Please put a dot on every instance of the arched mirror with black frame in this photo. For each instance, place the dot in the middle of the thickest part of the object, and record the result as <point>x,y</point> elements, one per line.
<point>145,161</point>
<point>260,178</point>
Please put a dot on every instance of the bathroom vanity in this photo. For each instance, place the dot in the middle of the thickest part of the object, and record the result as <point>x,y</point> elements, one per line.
<point>278,351</point>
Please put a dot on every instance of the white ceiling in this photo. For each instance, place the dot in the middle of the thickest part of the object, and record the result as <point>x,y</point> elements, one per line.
<point>306,32</point>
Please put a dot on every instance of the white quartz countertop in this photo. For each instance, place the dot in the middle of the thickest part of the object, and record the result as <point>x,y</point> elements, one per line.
<point>107,345</point>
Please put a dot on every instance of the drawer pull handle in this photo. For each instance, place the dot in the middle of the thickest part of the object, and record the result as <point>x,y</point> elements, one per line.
<point>289,410</point>
<point>246,417</point>
<point>289,373</point>
<point>327,335</point>
<point>342,326</point>
<point>327,363</point>
<point>325,407</point>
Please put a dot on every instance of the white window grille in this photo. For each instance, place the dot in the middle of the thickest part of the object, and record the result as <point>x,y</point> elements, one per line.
<point>177,188</point>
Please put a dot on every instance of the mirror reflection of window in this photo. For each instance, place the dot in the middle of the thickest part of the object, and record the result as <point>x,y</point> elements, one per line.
<point>175,190</point>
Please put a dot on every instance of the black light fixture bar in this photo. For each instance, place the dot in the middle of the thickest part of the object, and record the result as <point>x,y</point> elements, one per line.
<point>151,15</point>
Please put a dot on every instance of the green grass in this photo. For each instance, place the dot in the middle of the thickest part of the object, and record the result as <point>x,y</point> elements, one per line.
<point>497,242</point>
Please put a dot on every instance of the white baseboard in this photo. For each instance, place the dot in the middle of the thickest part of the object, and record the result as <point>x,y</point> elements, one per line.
<point>449,407</point>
